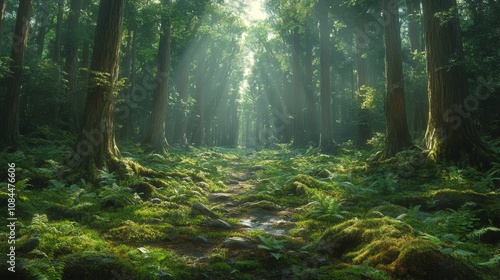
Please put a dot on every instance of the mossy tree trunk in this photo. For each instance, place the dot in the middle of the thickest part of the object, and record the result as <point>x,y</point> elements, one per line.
<point>326,138</point>
<point>299,139</point>
<point>9,124</point>
<point>96,142</point>
<point>450,135</point>
<point>397,135</point>
<point>156,133</point>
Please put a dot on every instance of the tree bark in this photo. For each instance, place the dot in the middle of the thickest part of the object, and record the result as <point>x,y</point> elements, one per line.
<point>56,55</point>
<point>450,135</point>
<point>156,134</point>
<point>71,66</point>
<point>3,6</point>
<point>364,130</point>
<point>298,122</point>
<point>397,135</point>
<point>310,114</point>
<point>420,105</point>
<point>96,143</point>
<point>326,140</point>
<point>182,82</point>
<point>9,126</point>
<point>42,15</point>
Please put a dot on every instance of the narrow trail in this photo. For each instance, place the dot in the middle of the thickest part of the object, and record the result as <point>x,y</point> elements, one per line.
<point>246,213</point>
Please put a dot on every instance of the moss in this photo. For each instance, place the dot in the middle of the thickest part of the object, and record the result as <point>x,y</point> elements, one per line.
<point>420,259</point>
<point>133,232</point>
<point>307,181</point>
<point>390,245</point>
<point>144,189</point>
<point>100,266</point>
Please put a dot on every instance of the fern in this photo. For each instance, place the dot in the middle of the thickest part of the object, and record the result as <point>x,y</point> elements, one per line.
<point>481,231</point>
<point>326,208</point>
<point>495,260</point>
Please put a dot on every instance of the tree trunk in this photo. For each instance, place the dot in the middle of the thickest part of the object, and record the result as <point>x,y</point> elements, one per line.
<point>298,123</point>
<point>9,126</point>
<point>71,67</point>
<point>42,15</point>
<point>364,130</point>
<point>450,135</point>
<point>156,134</point>
<point>310,114</point>
<point>96,143</point>
<point>397,135</point>
<point>56,55</point>
<point>326,140</point>
<point>182,82</point>
<point>420,105</point>
<point>3,5</point>
<point>198,137</point>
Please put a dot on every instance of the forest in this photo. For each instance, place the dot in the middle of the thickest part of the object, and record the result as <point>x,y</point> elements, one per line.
<point>259,139</point>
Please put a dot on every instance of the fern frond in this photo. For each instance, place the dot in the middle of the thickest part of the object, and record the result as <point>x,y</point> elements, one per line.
<point>481,231</point>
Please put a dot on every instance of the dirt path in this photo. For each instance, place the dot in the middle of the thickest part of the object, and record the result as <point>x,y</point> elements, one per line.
<point>252,215</point>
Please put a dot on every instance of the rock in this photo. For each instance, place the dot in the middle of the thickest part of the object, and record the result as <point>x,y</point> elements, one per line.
<point>98,266</point>
<point>389,243</point>
<point>231,182</point>
<point>256,168</point>
<point>263,204</point>
<point>200,209</point>
<point>203,185</point>
<point>219,197</point>
<point>145,190</point>
<point>218,223</point>
<point>201,240</point>
<point>243,178</point>
<point>237,243</point>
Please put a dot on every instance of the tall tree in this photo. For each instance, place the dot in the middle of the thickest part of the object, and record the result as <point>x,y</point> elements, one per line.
<point>327,142</point>
<point>299,137</point>
<point>71,46</point>
<point>3,5</point>
<point>9,126</point>
<point>96,142</point>
<point>42,17</point>
<point>156,133</point>
<point>450,134</point>
<point>397,135</point>
<point>56,55</point>
<point>364,129</point>
<point>71,65</point>
<point>419,106</point>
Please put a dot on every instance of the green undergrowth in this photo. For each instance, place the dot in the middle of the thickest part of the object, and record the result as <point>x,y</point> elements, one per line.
<point>379,216</point>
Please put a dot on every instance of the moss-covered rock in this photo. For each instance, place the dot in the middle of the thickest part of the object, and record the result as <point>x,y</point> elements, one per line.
<point>306,180</point>
<point>390,245</point>
<point>420,259</point>
<point>145,190</point>
<point>99,266</point>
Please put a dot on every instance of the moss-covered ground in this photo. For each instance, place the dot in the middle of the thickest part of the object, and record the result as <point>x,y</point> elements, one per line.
<point>301,215</point>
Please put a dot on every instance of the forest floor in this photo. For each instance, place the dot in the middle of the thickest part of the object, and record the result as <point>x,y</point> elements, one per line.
<point>281,213</point>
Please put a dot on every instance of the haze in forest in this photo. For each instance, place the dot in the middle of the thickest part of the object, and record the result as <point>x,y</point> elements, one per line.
<point>262,139</point>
